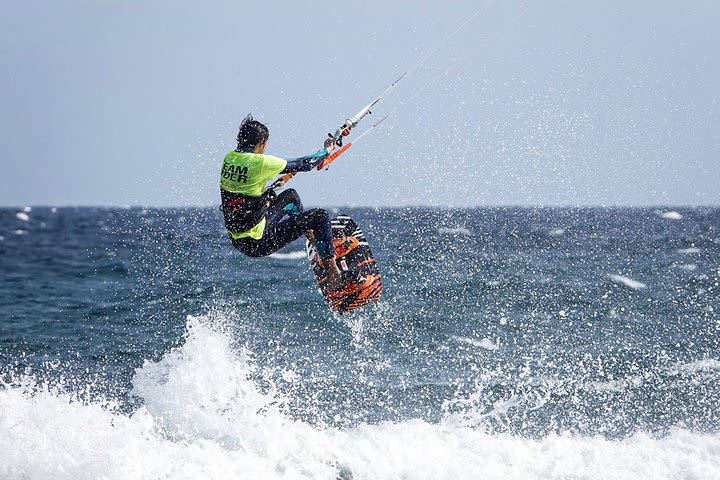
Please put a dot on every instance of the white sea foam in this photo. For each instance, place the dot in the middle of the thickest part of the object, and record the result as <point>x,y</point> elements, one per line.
<point>22,216</point>
<point>289,255</point>
<point>618,385</point>
<point>695,370</point>
<point>485,343</point>
<point>700,365</point>
<point>203,418</point>
<point>53,209</point>
<point>453,231</point>
<point>688,251</point>
<point>670,215</point>
<point>628,282</point>
<point>20,231</point>
<point>688,267</point>
<point>556,232</point>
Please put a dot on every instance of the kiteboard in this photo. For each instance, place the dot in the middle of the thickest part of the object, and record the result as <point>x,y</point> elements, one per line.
<point>361,277</point>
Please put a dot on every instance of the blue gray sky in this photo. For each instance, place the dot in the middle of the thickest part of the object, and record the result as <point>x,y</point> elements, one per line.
<point>551,103</point>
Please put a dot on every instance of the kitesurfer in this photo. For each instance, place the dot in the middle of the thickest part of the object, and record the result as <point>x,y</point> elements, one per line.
<point>259,222</point>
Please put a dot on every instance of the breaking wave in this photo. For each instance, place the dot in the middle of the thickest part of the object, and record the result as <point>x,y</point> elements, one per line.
<point>207,412</point>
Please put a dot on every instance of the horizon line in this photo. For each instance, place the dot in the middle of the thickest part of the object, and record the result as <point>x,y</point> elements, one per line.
<point>382,207</point>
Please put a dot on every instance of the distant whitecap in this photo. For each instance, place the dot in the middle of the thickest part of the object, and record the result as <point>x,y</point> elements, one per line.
<point>20,231</point>
<point>627,281</point>
<point>485,343</point>
<point>53,209</point>
<point>688,267</point>
<point>289,255</point>
<point>22,216</point>
<point>671,215</point>
<point>453,231</point>
<point>27,209</point>
<point>688,251</point>
<point>556,232</point>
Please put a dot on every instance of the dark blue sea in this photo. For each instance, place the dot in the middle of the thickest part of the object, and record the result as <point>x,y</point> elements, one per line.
<point>563,343</point>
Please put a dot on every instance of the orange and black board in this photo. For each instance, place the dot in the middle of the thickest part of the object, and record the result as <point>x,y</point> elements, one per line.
<point>362,282</point>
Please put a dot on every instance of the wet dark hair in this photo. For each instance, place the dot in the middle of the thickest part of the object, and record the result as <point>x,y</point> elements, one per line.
<point>251,133</point>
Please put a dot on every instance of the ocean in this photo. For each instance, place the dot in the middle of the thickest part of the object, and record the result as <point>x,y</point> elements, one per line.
<point>510,343</point>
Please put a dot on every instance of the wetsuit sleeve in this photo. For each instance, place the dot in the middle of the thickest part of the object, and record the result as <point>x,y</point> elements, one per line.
<point>306,163</point>
<point>272,166</point>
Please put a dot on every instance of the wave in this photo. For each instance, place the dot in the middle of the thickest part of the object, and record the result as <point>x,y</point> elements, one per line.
<point>204,417</point>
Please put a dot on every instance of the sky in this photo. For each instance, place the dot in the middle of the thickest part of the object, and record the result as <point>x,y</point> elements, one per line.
<point>545,103</point>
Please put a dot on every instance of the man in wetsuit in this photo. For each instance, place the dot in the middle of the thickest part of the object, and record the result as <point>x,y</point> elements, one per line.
<point>260,223</point>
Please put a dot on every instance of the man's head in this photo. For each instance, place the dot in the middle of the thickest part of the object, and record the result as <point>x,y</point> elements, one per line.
<point>252,134</point>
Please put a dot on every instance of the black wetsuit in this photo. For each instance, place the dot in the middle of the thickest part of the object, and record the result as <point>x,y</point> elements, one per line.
<point>285,217</point>
<point>279,232</point>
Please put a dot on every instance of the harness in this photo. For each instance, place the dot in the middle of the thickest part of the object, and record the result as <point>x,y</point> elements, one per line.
<point>243,212</point>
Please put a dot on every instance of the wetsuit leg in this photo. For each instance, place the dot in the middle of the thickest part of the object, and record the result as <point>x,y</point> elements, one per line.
<point>279,233</point>
<point>287,203</point>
